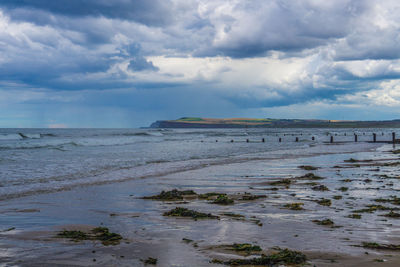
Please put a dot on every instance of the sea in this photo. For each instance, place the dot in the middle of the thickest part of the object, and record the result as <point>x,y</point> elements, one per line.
<point>34,161</point>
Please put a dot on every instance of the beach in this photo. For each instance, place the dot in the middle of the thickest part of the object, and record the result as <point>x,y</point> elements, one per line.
<point>334,203</point>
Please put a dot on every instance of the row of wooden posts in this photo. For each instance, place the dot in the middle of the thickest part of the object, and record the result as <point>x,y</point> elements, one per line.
<point>331,138</point>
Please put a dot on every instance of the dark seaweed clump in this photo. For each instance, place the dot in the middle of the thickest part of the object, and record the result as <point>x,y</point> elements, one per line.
<point>310,176</point>
<point>171,195</point>
<point>308,167</point>
<point>249,197</point>
<point>223,200</point>
<point>284,256</point>
<point>327,222</point>
<point>294,206</point>
<point>283,182</point>
<point>150,260</point>
<point>380,246</point>
<point>392,214</point>
<point>320,188</point>
<point>343,189</point>
<point>183,212</point>
<point>337,197</point>
<point>99,233</point>
<point>373,208</point>
<point>392,199</point>
<point>209,195</point>
<point>324,202</point>
<point>246,247</point>
<point>354,216</point>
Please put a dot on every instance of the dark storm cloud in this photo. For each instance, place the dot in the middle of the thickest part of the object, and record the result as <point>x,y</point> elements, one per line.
<point>151,12</point>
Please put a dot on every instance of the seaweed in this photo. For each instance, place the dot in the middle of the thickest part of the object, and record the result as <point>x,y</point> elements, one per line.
<point>284,182</point>
<point>327,222</point>
<point>172,195</point>
<point>351,160</point>
<point>246,247</point>
<point>354,216</point>
<point>324,202</point>
<point>99,233</point>
<point>187,240</point>
<point>308,167</point>
<point>283,256</point>
<point>373,208</point>
<point>150,260</point>
<point>223,200</point>
<point>320,188</point>
<point>183,212</point>
<point>392,214</point>
<point>294,206</point>
<point>343,189</point>
<point>396,151</point>
<point>309,176</point>
<point>209,195</point>
<point>346,180</point>
<point>337,197</point>
<point>392,199</point>
<point>249,197</point>
<point>373,245</point>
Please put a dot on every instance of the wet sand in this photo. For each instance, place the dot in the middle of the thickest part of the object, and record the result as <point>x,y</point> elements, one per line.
<point>29,224</point>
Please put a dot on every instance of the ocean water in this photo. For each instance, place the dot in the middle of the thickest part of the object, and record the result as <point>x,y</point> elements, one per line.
<point>42,160</point>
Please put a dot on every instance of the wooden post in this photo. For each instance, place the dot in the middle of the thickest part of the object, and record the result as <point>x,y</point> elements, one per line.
<point>297,139</point>
<point>280,139</point>
<point>247,140</point>
<point>374,136</point>
<point>216,141</point>
<point>345,134</point>
<point>232,141</point>
<point>394,137</point>
<point>263,140</point>
<point>355,138</point>
<point>313,138</point>
<point>331,138</point>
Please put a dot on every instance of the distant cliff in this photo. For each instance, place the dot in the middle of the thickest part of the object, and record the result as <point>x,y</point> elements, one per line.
<point>189,122</point>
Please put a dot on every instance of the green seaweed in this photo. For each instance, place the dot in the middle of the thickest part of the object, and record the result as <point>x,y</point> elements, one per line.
<point>294,206</point>
<point>99,233</point>
<point>373,208</point>
<point>223,200</point>
<point>392,214</point>
<point>246,247</point>
<point>150,260</point>
<point>209,195</point>
<point>172,195</point>
<point>310,176</point>
<point>283,256</point>
<point>392,199</point>
<point>308,167</point>
<point>283,182</point>
<point>337,197</point>
<point>249,197</point>
<point>354,216</point>
<point>320,188</point>
<point>327,222</point>
<point>343,189</point>
<point>373,245</point>
<point>183,212</point>
<point>324,202</point>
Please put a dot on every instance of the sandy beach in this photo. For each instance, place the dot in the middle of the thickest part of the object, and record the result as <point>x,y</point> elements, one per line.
<point>346,199</point>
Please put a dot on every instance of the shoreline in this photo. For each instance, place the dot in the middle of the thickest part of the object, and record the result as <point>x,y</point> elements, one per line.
<point>147,233</point>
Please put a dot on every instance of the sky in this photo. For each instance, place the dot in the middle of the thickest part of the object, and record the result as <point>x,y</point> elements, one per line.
<point>128,63</point>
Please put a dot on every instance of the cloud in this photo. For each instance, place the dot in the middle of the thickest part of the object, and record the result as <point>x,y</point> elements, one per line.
<point>245,55</point>
<point>151,12</point>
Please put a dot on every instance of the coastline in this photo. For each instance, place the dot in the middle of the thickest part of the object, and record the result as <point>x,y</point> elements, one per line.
<point>147,233</point>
